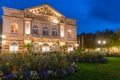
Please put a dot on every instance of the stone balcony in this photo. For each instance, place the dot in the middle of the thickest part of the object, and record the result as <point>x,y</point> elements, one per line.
<point>71,39</point>
<point>46,36</point>
<point>13,35</point>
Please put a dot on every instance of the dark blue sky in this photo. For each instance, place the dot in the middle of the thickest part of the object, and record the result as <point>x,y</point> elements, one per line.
<point>91,15</point>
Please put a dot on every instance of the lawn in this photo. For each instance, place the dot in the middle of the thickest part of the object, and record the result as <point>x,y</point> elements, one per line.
<point>95,71</point>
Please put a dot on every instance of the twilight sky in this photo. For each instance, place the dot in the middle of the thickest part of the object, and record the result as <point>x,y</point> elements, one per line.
<point>91,15</point>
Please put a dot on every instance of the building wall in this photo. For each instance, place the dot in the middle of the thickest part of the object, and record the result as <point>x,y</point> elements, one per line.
<point>20,17</point>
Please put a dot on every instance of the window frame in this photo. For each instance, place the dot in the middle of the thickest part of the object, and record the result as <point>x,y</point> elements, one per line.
<point>14,28</point>
<point>35,30</point>
<point>45,31</point>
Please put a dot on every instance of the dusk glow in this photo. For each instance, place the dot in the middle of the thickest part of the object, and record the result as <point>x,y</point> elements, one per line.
<point>91,15</point>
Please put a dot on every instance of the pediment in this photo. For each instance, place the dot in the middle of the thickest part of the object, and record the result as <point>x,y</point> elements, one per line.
<point>45,10</point>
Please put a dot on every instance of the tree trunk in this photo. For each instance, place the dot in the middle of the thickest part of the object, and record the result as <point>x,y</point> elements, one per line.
<point>118,49</point>
<point>108,50</point>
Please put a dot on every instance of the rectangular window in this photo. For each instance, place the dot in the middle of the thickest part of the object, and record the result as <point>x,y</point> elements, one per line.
<point>27,27</point>
<point>62,31</point>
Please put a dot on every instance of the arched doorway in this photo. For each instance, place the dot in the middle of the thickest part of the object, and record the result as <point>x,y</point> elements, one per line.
<point>35,47</point>
<point>13,47</point>
<point>55,47</point>
<point>70,48</point>
<point>45,48</point>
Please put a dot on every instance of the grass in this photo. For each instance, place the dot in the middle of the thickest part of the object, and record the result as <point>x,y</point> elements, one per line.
<point>95,71</point>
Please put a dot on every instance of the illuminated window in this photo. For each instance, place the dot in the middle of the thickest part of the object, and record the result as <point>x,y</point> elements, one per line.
<point>62,31</point>
<point>70,48</point>
<point>35,47</point>
<point>14,28</point>
<point>45,48</point>
<point>69,34</point>
<point>13,47</point>
<point>54,32</point>
<point>45,31</point>
<point>27,27</point>
<point>35,30</point>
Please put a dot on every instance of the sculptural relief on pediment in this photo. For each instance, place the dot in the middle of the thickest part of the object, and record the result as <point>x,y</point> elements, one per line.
<point>45,10</point>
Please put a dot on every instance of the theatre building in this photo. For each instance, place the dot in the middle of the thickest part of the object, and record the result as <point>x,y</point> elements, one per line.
<point>41,25</point>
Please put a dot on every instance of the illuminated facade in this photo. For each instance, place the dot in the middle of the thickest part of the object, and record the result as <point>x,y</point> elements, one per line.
<point>42,25</point>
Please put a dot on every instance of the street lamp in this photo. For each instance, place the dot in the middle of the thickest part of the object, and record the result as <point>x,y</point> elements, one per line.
<point>101,43</point>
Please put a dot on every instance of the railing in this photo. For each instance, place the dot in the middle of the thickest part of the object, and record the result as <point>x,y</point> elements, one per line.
<point>13,35</point>
<point>45,36</point>
<point>72,39</point>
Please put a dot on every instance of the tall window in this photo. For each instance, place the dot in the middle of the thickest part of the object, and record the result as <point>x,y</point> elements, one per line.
<point>69,34</point>
<point>45,48</point>
<point>35,47</point>
<point>27,27</point>
<point>14,28</point>
<point>70,48</point>
<point>13,47</point>
<point>62,31</point>
<point>45,31</point>
<point>54,32</point>
<point>35,30</point>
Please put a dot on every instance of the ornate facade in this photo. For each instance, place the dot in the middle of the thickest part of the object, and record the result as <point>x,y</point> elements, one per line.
<point>42,25</point>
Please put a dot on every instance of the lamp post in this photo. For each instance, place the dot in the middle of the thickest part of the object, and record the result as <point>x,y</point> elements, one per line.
<point>101,44</point>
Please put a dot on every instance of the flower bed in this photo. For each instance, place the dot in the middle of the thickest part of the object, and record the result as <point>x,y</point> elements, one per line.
<point>77,56</point>
<point>34,66</point>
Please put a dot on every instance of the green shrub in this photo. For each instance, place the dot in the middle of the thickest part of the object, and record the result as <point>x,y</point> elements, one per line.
<point>79,56</point>
<point>33,66</point>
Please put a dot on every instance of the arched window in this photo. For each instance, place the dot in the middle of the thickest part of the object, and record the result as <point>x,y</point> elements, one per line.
<point>35,47</point>
<point>54,32</point>
<point>45,31</point>
<point>69,34</point>
<point>70,48</point>
<point>35,30</point>
<point>55,47</point>
<point>14,28</point>
<point>13,47</point>
<point>45,48</point>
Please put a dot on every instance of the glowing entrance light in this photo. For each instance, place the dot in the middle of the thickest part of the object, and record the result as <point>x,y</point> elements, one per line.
<point>13,47</point>
<point>27,41</point>
<point>70,48</point>
<point>55,21</point>
<point>62,43</point>
<point>3,36</point>
<point>45,48</point>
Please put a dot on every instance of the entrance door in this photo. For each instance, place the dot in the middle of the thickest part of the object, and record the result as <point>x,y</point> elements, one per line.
<point>70,48</point>
<point>45,48</point>
<point>13,47</point>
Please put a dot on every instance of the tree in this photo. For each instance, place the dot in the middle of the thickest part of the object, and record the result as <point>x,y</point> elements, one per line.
<point>63,47</point>
<point>107,36</point>
<point>29,47</point>
<point>89,41</point>
<point>115,39</point>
